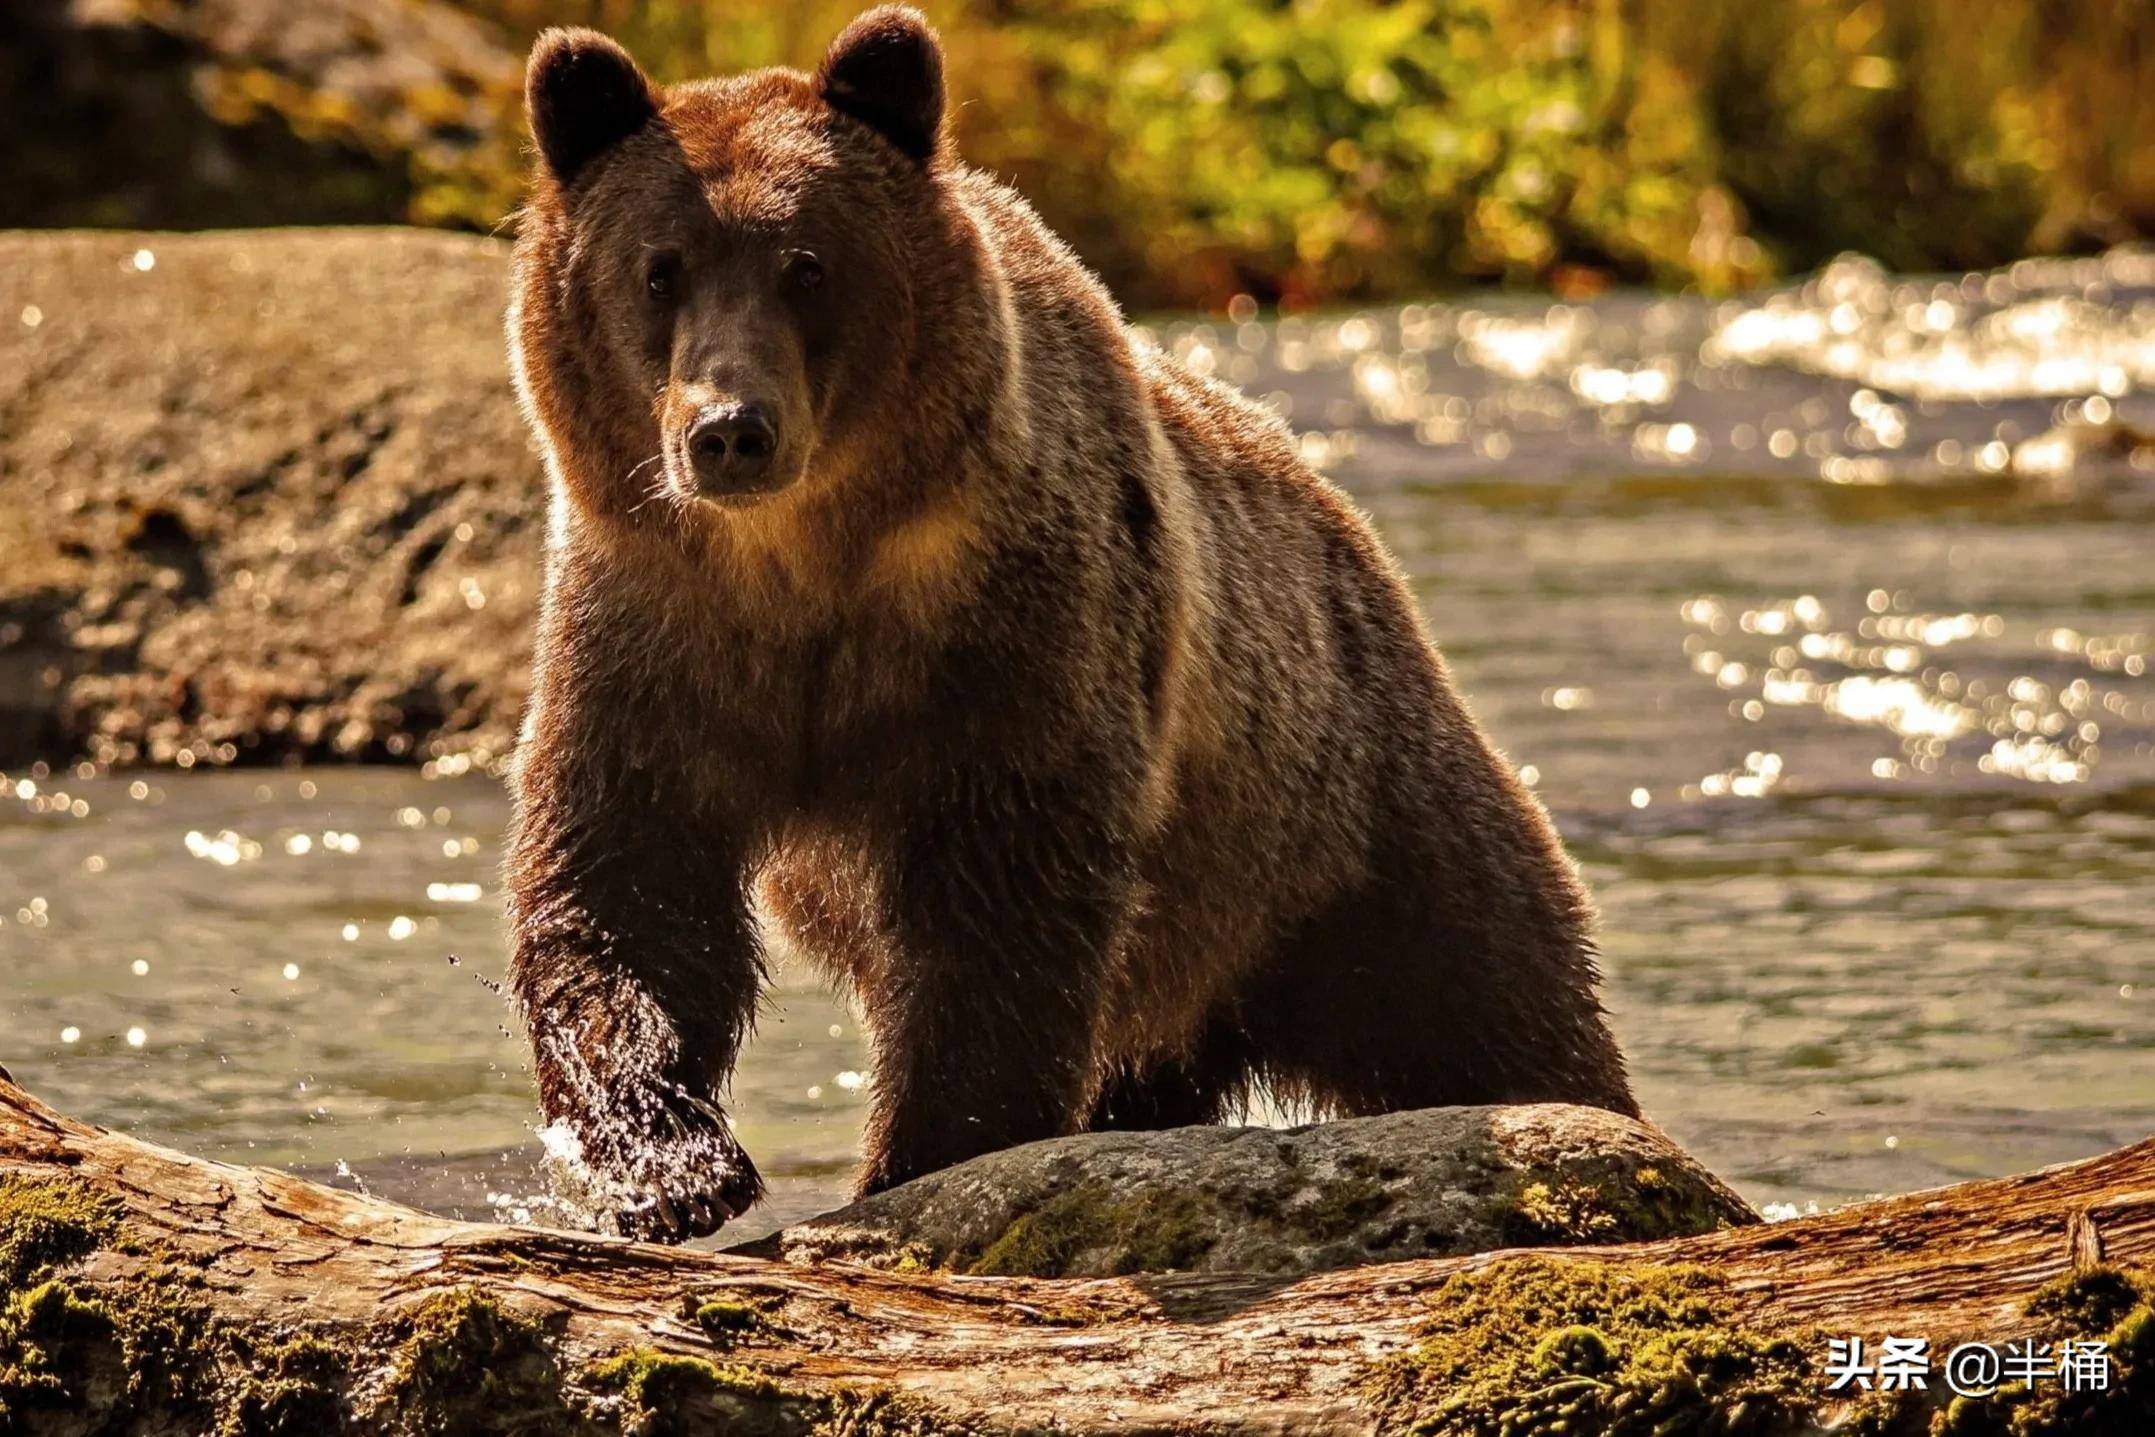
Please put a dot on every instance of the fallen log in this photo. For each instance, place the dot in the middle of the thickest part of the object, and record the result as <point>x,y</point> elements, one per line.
<point>244,1299</point>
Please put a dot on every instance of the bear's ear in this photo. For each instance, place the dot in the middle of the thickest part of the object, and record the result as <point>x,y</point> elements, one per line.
<point>584,96</point>
<point>886,70</point>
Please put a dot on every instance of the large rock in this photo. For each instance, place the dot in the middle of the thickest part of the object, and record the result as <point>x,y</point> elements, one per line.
<point>261,495</point>
<point>1433,1183</point>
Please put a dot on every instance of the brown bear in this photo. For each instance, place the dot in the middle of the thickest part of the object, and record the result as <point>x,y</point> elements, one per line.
<point>1033,683</point>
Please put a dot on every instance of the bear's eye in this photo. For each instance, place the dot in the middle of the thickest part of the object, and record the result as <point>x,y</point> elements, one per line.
<point>803,268</point>
<point>662,278</point>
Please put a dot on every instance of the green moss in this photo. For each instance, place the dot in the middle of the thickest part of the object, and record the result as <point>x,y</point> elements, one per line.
<point>290,1387</point>
<point>2105,1304</point>
<point>49,1223</point>
<point>1158,1234</point>
<point>468,1366</point>
<point>1906,1413</point>
<point>1151,1232</point>
<point>59,1350</point>
<point>1040,1243</point>
<point>1564,1212</point>
<point>643,1373</point>
<point>881,1412</point>
<point>1337,1207</point>
<point>2082,1303</point>
<point>175,1349</point>
<point>142,1345</point>
<point>1576,1351</point>
<point>1650,1203</point>
<point>1618,1205</point>
<point>146,1352</point>
<point>725,1321</point>
<point>1537,1346</point>
<point>664,1392</point>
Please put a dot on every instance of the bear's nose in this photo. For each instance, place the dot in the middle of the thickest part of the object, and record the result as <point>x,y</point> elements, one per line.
<point>730,447</point>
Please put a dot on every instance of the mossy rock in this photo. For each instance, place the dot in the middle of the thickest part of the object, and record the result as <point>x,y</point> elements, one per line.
<point>2108,1305</point>
<point>1438,1182</point>
<point>468,1365</point>
<point>1542,1347</point>
<point>50,1222</point>
<point>1554,1347</point>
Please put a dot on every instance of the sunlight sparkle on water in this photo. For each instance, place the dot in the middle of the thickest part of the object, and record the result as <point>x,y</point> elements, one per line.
<point>1883,671</point>
<point>1664,380</point>
<point>225,849</point>
<point>2010,341</point>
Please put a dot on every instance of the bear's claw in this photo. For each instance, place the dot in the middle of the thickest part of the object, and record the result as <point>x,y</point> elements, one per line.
<point>675,1216</point>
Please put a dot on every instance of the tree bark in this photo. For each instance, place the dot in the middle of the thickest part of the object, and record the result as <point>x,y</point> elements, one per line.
<point>1210,1353</point>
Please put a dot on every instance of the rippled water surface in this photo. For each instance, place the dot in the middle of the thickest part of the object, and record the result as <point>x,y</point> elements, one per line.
<point>1822,622</point>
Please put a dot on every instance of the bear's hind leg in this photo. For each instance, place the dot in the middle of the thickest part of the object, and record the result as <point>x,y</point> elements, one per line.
<point>1393,999</point>
<point>1189,1089</point>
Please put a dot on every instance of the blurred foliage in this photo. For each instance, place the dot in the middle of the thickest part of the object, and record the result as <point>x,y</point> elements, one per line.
<point>1303,150</point>
<point>1930,134</point>
<point>1306,149</point>
<point>1298,151</point>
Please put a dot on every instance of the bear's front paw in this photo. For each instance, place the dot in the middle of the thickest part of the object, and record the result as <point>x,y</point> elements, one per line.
<point>683,1205</point>
<point>670,1172</point>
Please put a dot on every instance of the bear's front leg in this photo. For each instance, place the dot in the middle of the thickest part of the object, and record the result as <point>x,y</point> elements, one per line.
<point>1006,905</point>
<point>636,965</point>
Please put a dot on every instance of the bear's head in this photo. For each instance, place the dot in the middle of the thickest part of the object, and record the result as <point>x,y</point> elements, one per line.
<point>726,289</point>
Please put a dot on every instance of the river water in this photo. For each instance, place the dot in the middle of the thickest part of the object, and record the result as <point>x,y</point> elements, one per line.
<point>1829,658</point>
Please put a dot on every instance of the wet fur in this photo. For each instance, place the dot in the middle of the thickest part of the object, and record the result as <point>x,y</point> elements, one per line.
<point>1058,711</point>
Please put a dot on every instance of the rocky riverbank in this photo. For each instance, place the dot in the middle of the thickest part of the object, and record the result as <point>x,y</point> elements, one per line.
<point>254,112</point>
<point>263,496</point>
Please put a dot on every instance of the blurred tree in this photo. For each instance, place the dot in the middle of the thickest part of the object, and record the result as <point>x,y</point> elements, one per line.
<point>1299,150</point>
